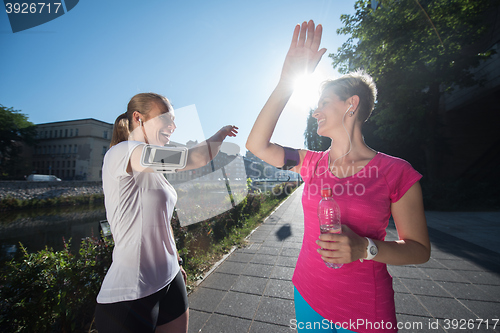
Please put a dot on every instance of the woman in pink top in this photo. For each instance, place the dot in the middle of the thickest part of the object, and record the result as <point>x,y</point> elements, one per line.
<point>369,187</point>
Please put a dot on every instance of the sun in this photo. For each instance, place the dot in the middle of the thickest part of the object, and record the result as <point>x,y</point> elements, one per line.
<point>307,90</point>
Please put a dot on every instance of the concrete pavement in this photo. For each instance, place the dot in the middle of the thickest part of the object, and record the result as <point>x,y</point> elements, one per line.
<point>458,290</point>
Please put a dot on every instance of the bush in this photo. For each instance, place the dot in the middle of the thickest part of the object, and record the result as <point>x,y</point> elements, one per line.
<point>53,291</point>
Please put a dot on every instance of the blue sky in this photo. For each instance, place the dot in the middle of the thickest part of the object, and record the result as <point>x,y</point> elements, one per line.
<point>223,57</point>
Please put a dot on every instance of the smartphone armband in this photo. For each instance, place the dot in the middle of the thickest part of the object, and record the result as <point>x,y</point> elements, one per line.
<point>292,158</point>
<point>164,159</point>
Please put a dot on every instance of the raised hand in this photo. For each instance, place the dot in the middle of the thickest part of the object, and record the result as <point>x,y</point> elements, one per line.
<point>228,130</point>
<point>304,53</point>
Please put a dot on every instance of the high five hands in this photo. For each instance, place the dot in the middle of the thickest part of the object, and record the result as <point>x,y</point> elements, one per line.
<point>228,130</point>
<point>304,53</point>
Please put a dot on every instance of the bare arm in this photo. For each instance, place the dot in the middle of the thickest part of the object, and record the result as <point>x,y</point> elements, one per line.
<point>198,155</point>
<point>412,248</point>
<point>302,58</point>
<point>205,151</point>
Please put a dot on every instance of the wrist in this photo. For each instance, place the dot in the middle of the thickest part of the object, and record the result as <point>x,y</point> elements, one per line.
<point>285,86</point>
<point>371,250</point>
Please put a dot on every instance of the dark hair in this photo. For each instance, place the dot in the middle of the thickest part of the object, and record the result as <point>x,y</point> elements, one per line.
<point>142,103</point>
<point>356,83</point>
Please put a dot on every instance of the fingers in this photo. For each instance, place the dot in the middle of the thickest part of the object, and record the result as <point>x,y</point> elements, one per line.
<point>306,35</point>
<point>316,35</point>
<point>346,247</point>
<point>310,34</point>
<point>328,245</point>
<point>229,130</point>
<point>184,275</point>
<point>295,36</point>
<point>302,35</point>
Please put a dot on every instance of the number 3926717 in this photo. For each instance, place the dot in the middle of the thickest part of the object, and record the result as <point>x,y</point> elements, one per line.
<point>32,8</point>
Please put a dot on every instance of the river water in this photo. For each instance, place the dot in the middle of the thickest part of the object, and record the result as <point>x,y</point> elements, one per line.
<point>37,228</point>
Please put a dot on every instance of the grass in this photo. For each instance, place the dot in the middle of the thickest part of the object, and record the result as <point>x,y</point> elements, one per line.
<point>200,259</point>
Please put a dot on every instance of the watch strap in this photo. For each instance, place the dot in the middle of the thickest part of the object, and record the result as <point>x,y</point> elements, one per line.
<point>371,249</point>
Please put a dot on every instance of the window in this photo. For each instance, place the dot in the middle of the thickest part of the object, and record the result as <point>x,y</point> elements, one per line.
<point>71,132</point>
<point>69,149</point>
<point>66,132</point>
<point>76,132</point>
<point>75,150</point>
<point>105,134</point>
<point>50,134</point>
<point>64,149</point>
<point>74,164</point>
<point>104,150</point>
<point>60,133</point>
<point>59,149</point>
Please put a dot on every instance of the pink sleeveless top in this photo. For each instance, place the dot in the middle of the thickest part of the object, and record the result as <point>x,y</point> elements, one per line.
<point>359,292</point>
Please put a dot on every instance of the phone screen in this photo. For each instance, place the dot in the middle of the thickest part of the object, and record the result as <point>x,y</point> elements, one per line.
<point>166,156</point>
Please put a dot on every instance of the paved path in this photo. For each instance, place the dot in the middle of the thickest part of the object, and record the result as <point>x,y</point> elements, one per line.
<point>251,291</point>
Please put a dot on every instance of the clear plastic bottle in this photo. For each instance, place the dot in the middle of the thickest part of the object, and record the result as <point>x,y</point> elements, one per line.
<point>329,217</point>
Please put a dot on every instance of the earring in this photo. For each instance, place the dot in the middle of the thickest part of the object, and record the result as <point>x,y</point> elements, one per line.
<point>351,113</point>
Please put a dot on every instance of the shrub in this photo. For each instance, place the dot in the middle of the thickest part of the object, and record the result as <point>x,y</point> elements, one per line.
<point>53,291</point>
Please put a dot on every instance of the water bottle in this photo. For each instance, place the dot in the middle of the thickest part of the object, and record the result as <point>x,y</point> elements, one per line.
<point>329,217</point>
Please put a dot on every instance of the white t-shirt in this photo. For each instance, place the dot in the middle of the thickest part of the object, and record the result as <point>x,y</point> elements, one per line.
<point>139,207</point>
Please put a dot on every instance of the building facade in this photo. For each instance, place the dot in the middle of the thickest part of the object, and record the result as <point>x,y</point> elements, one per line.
<point>72,150</point>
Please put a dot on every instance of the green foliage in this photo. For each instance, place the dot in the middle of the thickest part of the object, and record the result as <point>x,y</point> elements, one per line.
<point>53,291</point>
<point>416,51</point>
<point>312,140</point>
<point>249,184</point>
<point>15,130</point>
<point>202,243</point>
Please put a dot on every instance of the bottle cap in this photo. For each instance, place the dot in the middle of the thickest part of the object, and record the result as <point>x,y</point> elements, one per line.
<point>326,192</point>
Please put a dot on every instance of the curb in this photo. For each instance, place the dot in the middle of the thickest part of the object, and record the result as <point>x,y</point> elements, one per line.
<point>218,263</point>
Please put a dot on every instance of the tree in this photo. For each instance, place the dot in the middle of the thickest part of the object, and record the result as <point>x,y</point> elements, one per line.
<point>416,51</point>
<point>312,140</point>
<point>15,130</point>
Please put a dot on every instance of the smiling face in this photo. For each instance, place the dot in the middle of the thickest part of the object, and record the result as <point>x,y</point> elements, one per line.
<point>159,124</point>
<point>330,112</point>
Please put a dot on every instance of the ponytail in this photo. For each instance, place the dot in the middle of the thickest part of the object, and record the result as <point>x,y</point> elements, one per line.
<point>141,103</point>
<point>120,130</point>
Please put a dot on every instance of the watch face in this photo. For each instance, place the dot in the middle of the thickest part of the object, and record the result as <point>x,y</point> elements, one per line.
<point>373,250</point>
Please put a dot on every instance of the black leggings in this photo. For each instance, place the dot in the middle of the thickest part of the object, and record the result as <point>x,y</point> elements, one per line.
<point>144,314</point>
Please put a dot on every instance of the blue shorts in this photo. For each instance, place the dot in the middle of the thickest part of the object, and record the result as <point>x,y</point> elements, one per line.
<point>309,320</point>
